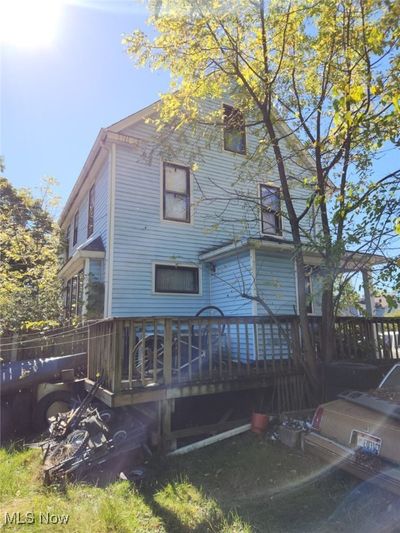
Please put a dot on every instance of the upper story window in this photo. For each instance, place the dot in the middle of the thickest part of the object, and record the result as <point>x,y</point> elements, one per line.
<point>90,224</point>
<point>176,279</point>
<point>271,223</point>
<point>76,224</point>
<point>67,242</point>
<point>176,193</point>
<point>234,130</point>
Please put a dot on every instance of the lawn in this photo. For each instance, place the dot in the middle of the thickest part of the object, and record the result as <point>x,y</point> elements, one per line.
<point>246,484</point>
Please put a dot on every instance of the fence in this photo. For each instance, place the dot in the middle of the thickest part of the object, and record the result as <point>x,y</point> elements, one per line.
<point>52,343</point>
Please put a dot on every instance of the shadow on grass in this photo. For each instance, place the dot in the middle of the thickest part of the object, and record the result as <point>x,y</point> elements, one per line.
<point>254,485</point>
<point>243,485</point>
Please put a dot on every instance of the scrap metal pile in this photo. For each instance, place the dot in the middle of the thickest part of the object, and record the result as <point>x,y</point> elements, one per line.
<point>85,439</point>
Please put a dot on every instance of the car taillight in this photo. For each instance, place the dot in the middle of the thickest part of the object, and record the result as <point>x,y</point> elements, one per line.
<point>316,421</point>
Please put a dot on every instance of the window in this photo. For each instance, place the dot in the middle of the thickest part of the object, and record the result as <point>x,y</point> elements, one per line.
<point>68,299</point>
<point>74,292</point>
<point>76,224</point>
<point>270,210</point>
<point>308,275</point>
<point>169,278</point>
<point>74,295</point>
<point>234,130</point>
<point>67,242</point>
<point>79,296</point>
<point>90,224</point>
<point>176,193</point>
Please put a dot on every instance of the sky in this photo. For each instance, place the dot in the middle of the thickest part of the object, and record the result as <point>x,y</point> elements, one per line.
<point>55,97</point>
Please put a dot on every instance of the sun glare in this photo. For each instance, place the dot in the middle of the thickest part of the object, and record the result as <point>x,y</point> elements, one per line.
<point>29,23</point>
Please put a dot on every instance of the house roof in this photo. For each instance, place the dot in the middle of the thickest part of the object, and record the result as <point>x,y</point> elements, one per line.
<point>351,261</point>
<point>93,248</point>
<point>96,245</point>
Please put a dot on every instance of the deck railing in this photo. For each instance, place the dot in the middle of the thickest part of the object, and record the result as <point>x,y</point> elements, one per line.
<point>171,351</point>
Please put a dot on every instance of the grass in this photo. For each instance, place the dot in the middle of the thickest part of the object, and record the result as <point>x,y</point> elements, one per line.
<point>242,485</point>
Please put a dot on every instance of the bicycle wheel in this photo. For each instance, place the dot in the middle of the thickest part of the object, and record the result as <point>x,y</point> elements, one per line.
<point>72,446</point>
<point>143,355</point>
<point>216,329</point>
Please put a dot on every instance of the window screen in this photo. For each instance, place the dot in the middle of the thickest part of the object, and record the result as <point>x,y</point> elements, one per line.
<point>270,210</point>
<point>176,279</point>
<point>234,130</point>
<point>176,193</point>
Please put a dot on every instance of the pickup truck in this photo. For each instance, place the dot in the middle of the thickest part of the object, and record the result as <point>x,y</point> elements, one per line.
<point>360,432</point>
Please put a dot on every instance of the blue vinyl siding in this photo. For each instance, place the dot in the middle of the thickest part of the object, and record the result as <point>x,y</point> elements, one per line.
<point>142,238</point>
<point>101,204</point>
<point>231,277</point>
<point>276,282</point>
<point>100,227</point>
<point>276,285</point>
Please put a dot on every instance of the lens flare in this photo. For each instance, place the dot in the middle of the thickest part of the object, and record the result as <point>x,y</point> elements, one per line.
<point>29,23</point>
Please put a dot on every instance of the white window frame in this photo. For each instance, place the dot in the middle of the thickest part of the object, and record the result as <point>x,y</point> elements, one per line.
<point>177,265</point>
<point>243,154</point>
<point>276,235</point>
<point>181,223</point>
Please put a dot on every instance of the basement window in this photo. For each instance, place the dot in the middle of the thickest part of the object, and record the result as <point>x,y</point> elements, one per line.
<point>176,193</point>
<point>234,130</point>
<point>176,279</point>
<point>271,223</point>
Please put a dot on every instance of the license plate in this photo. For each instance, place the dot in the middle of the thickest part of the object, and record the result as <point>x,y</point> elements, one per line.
<point>366,442</point>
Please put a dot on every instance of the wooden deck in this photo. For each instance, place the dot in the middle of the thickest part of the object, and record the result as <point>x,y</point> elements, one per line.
<point>164,358</point>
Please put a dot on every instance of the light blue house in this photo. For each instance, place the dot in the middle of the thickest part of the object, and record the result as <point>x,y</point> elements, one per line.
<point>161,229</point>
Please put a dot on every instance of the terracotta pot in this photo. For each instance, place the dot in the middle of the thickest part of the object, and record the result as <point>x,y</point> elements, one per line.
<point>259,422</point>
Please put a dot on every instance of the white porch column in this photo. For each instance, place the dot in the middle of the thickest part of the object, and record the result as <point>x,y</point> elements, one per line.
<point>367,293</point>
<point>86,275</point>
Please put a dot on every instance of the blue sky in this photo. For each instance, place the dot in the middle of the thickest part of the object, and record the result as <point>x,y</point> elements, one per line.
<point>55,99</point>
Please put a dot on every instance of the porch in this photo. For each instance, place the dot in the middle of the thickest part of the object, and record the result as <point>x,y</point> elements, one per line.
<point>164,358</point>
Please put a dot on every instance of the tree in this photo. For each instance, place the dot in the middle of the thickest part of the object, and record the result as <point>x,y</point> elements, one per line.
<point>30,292</point>
<point>323,73</point>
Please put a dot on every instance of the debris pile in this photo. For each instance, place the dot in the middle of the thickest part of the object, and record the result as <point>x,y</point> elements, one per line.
<point>288,427</point>
<point>386,394</point>
<point>86,439</point>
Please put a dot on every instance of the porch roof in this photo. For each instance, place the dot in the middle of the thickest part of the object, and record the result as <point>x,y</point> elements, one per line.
<point>93,248</point>
<point>352,260</point>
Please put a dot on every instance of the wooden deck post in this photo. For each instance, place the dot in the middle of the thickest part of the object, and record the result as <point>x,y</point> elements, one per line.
<point>116,355</point>
<point>14,347</point>
<point>168,351</point>
<point>167,409</point>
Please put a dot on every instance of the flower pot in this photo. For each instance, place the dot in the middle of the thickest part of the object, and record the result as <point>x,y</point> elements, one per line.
<point>259,422</point>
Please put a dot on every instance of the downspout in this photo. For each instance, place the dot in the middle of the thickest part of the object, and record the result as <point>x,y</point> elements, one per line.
<point>110,240</point>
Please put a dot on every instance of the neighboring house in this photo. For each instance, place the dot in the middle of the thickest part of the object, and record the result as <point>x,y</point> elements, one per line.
<point>380,306</point>
<point>142,241</point>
